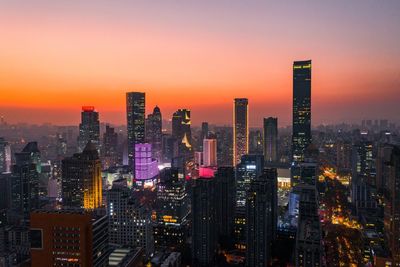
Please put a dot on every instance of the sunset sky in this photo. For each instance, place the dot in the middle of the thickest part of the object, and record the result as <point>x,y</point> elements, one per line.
<point>56,56</point>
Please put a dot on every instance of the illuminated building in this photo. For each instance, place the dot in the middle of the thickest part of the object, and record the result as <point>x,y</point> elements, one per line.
<point>181,130</point>
<point>154,133</point>
<point>209,152</point>
<point>69,238</point>
<point>240,129</point>
<point>261,218</point>
<point>284,186</point>
<point>135,112</point>
<point>270,139</point>
<point>5,156</point>
<point>363,176</point>
<point>301,136</point>
<point>304,172</point>
<point>204,232</point>
<point>25,180</point>
<point>89,128</point>
<point>81,179</point>
<point>146,168</point>
<point>308,250</point>
<point>172,211</point>
<point>110,148</point>
<point>129,220</point>
<point>250,167</point>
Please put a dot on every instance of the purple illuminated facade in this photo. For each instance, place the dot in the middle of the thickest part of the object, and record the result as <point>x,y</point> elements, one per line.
<point>146,167</point>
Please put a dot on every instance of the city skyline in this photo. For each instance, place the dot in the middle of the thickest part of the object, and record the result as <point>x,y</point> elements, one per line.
<point>64,54</point>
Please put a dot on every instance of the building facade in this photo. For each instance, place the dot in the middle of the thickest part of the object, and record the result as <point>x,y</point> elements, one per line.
<point>240,129</point>
<point>301,135</point>
<point>135,114</point>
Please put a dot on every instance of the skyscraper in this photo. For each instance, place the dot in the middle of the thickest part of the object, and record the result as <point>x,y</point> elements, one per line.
<point>172,207</point>
<point>204,239</point>
<point>181,130</point>
<point>308,250</point>
<point>5,156</point>
<point>129,220</point>
<point>25,180</point>
<point>261,219</point>
<point>89,128</point>
<point>110,147</point>
<point>270,139</point>
<point>135,112</point>
<point>210,152</point>
<point>226,201</point>
<point>250,167</point>
<point>154,132</point>
<point>301,136</point>
<point>240,129</point>
<point>81,179</point>
<point>69,238</point>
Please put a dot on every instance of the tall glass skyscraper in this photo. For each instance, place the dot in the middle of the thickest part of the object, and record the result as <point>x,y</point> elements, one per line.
<point>135,112</point>
<point>240,129</point>
<point>301,136</point>
<point>270,139</point>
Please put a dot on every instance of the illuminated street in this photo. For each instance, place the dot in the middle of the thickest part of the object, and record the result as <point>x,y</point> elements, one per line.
<point>342,234</point>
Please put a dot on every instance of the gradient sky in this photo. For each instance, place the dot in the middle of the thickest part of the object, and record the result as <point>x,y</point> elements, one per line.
<point>56,56</point>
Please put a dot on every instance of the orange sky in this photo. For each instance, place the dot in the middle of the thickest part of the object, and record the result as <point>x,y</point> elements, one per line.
<point>55,57</point>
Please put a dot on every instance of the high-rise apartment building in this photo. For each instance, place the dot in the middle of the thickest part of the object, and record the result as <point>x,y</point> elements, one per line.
<point>89,128</point>
<point>135,113</point>
<point>240,129</point>
<point>270,139</point>
<point>301,135</point>
<point>81,179</point>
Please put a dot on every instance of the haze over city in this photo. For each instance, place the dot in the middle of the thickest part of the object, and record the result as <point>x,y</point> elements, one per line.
<point>60,55</point>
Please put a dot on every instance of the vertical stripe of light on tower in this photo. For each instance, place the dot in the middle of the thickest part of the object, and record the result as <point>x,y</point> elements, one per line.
<point>240,129</point>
